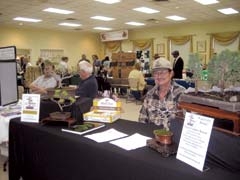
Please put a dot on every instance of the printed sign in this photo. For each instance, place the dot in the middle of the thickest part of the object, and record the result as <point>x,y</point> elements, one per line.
<point>30,108</point>
<point>194,140</point>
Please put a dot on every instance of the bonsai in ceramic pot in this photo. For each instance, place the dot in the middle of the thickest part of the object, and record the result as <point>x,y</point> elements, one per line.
<point>165,135</point>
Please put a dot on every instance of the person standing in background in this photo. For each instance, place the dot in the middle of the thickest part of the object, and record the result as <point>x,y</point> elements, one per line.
<point>178,65</point>
<point>84,58</point>
<point>40,64</point>
<point>97,65</point>
<point>63,66</point>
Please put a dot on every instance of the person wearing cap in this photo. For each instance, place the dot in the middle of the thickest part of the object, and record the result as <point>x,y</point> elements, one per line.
<point>178,65</point>
<point>165,92</point>
<point>156,56</point>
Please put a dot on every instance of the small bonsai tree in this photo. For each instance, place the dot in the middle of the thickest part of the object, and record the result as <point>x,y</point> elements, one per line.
<point>62,98</point>
<point>223,68</point>
<point>194,66</point>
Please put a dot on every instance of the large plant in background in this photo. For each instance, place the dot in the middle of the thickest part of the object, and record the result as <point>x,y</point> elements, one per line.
<point>194,66</point>
<point>224,67</point>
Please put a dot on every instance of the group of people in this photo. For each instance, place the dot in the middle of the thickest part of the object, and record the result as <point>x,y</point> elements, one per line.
<point>155,99</point>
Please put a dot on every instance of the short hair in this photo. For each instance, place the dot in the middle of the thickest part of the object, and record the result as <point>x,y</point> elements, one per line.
<point>175,53</point>
<point>137,65</point>
<point>48,63</point>
<point>64,58</point>
<point>85,66</point>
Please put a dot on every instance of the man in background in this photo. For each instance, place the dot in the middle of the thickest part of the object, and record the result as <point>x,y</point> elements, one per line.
<point>45,81</point>
<point>178,65</point>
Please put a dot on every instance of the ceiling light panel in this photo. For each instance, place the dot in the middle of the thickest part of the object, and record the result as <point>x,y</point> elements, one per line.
<point>70,24</point>
<point>102,18</point>
<point>26,19</point>
<point>135,23</point>
<point>207,2</point>
<point>146,10</point>
<point>102,28</point>
<point>228,11</point>
<point>176,18</point>
<point>108,1</point>
<point>58,11</point>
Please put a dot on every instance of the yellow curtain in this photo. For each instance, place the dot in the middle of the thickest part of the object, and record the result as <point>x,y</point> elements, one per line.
<point>113,46</point>
<point>225,38</point>
<point>179,40</point>
<point>142,44</point>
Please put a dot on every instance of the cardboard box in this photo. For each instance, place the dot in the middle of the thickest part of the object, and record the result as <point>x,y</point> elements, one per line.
<point>105,110</point>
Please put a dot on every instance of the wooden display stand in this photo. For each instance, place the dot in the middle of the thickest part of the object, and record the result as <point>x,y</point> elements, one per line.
<point>164,149</point>
<point>215,113</point>
<point>122,64</point>
<point>59,117</point>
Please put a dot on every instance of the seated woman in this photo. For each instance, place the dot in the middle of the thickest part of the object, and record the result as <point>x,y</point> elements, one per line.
<point>163,96</point>
<point>45,81</point>
<point>137,76</point>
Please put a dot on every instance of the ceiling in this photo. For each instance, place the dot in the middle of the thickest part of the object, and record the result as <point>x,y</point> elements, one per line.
<point>122,12</point>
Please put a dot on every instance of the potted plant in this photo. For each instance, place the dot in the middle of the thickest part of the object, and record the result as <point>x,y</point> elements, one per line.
<point>165,135</point>
<point>63,99</point>
<point>223,78</point>
<point>194,66</point>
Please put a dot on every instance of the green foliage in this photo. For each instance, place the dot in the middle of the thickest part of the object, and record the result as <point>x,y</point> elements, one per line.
<point>83,127</point>
<point>63,95</point>
<point>63,98</point>
<point>162,132</point>
<point>224,67</point>
<point>194,65</point>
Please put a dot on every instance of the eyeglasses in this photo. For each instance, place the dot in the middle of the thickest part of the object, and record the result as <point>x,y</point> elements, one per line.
<point>161,72</point>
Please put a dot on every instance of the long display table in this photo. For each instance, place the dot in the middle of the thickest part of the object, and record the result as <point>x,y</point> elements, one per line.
<point>45,152</point>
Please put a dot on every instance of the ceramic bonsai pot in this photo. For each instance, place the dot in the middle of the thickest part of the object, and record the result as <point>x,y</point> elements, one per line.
<point>163,136</point>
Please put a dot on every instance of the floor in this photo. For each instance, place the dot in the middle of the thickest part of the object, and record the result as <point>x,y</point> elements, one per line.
<point>130,111</point>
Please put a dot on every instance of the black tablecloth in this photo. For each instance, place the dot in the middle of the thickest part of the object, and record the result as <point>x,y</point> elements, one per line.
<point>46,153</point>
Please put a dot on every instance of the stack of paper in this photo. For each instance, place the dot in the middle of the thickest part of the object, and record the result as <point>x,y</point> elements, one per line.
<point>106,135</point>
<point>132,142</point>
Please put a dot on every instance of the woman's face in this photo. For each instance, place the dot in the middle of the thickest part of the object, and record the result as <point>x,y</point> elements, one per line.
<point>162,76</point>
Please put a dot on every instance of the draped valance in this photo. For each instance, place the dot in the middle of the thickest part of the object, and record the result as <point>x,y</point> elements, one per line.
<point>142,44</point>
<point>225,38</point>
<point>179,40</point>
<point>113,46</point>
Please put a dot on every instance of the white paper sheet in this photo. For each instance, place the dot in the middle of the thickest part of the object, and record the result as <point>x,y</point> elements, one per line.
<point>107,135</point>
<point>132,142</point>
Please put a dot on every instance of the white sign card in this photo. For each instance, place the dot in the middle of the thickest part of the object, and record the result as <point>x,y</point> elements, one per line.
<point>194,140</point>
<point>30,108</point>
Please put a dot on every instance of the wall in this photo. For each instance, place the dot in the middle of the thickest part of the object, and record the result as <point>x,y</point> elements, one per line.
<point>77,43</point>
<point>199,31</point>
<point>73,43</point>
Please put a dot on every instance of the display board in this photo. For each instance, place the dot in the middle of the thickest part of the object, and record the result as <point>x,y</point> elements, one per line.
<point>8,76</point>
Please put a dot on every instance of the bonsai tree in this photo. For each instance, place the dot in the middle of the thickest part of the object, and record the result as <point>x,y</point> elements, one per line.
<point>223,68</point>
<point>62,98</point>
<point>166,113</point>
<point>194,66</point>
<point>164,135</point>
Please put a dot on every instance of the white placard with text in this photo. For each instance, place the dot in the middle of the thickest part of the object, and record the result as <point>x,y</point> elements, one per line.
<point>30,108</point>
<point>194,140</point>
